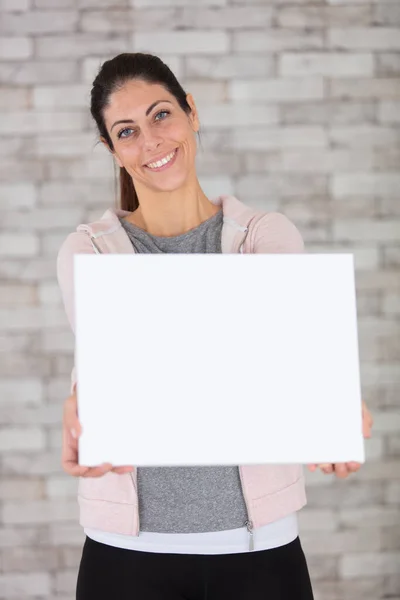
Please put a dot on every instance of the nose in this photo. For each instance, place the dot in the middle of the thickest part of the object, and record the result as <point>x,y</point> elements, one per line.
<point>151,139</point>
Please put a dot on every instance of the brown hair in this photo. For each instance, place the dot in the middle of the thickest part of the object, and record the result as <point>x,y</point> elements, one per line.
<point>112,75</point>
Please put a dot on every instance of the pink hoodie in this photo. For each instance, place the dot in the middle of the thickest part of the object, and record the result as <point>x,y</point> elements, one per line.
<point>110,503</point>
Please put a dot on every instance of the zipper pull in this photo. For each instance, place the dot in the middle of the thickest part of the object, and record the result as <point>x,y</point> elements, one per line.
<point>249,526</point>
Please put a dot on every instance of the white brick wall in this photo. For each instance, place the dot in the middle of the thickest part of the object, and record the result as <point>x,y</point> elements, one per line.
<point>300,109</point>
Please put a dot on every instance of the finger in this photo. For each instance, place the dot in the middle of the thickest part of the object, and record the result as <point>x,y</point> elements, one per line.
<point>122,470</point>
<point>341,470</point>
<point>326,468</point>
<point>312,467</point>
<point>71,420</point>
<point>98,471</point>
<point>71,468</point>
<point>353,466</point>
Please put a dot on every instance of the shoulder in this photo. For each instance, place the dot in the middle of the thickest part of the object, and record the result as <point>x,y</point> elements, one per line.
<point>274,232</point>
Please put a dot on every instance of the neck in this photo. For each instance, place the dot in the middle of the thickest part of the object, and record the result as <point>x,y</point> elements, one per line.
<point>173,213</point>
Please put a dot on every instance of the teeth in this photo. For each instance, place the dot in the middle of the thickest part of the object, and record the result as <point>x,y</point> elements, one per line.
<point>162,162</point>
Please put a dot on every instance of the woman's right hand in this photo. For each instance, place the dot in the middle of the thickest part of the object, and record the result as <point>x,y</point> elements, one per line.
<point>71,432</point>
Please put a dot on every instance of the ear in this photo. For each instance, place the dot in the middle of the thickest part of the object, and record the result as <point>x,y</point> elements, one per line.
<point>114,154</point>
<point>194,117</point>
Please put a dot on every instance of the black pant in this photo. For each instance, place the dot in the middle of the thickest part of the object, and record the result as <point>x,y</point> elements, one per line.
<point>108,573</point>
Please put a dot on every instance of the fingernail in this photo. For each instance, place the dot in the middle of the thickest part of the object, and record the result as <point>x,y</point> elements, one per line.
<point>73,433</point>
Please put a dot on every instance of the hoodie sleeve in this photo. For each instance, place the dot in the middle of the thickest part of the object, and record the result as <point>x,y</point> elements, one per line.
<point>75,243</point>
<point>276,234</point>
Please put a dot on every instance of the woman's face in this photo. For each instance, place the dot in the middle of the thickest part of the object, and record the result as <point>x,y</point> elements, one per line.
<point>146,125</point>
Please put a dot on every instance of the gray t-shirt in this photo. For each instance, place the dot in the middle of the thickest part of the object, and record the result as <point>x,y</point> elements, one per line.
<point>187,499</point>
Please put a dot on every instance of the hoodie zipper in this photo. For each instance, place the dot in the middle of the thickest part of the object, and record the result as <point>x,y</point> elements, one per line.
<point>249,522</point>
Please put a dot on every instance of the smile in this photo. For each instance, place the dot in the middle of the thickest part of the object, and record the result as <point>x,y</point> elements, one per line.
<point>164,163</point>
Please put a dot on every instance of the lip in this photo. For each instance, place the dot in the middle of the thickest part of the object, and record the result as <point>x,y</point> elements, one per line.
<point>166,166</point>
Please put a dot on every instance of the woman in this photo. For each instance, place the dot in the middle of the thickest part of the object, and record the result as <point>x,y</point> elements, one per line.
<point>177,533</point>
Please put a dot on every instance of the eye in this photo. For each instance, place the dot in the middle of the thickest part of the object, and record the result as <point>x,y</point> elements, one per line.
<point>165,112</point>
<point>121,134</point>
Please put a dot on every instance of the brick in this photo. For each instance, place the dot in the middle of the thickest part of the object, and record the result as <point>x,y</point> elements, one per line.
<point>31,464</point>
<point>392,493</point>
<point>14,98</point>
<point>12,440</point>
<point>264,138</point>
<point>369,564</point>
<point>333,544</point>
<point>367,589</point>
<point>31,318</point>
<point>65,582</point>
<point>374,184</point>
<point>282,186</point>
<point>317,520</point>
<point>125,20</point>
<point>27,123</point>
<point>49,293</point>
<point>38,72</point>
<point>388,64</point>
<point>289,89</point>
<point>17,488</point>
<point>389,112</point>
<point>364,230</point>
<point>31,415</point>
<point>21,391</point>
<point>18,244</point>
<point>51,4</point>
<point>156,3</point>
<point>276,40</point>
<point>61,486</point>
<point>303,17</point>
<point>364,88</point>
<point>17,195</point>
<point>102,3</point>
<point>328,112</point>
<point>325,161</point>
<point>29,559</point>
<point>374,516</point>
<point>13,5</point>
<point>61,96</point>
<point>71,193</point>
<point>36,22</point>
<point>229,67</point>
<point>386,422</point>
<point>322,567</point>
<point>69,144</point>
<point>70,534</point>
<point>387,13</point>
<point>16,536</point>
<point>352,494</point>
<point>181,42</point>
<point>224,115</point>
<point>57,341</point>
<point>364,136</point>
<point>40,219</point>
<point>17,294</point>
<point>328,64</point>
<point>391,256</point>
<point>15,48</point>
<point>79,46</point>
<point>70,558</point>
<point>370,38</point>
<point>233,17</point>
<point>27,585</point>
<point>40,511</point>
<point>391,305</point>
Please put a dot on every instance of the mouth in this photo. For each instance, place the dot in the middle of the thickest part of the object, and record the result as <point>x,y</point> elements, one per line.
<point>164,163</point>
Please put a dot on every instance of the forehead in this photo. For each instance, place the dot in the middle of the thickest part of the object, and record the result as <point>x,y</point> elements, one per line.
<point>133,99</point>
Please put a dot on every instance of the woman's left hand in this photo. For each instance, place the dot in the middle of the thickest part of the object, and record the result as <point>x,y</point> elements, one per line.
<point>342,470</point>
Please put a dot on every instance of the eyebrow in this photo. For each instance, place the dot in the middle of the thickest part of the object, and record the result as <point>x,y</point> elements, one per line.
<point>148,111</point>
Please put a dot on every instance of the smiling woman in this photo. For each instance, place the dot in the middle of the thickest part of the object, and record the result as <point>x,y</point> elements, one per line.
<point>226,531</point>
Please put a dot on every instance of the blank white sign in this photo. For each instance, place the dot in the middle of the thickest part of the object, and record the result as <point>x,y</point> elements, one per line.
<point>207,359</point>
